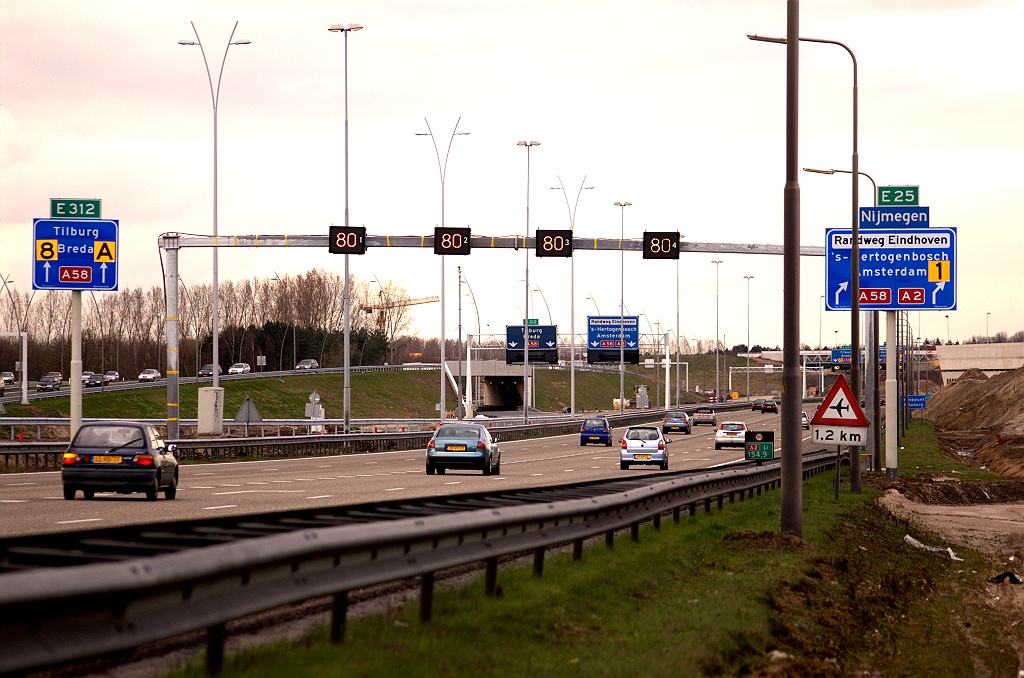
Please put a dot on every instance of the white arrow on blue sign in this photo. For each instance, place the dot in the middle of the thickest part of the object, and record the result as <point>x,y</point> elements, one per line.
<point>74,254</point>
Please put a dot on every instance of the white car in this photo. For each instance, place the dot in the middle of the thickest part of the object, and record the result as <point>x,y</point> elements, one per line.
<point>111,377</point>
<point>731,434</point>
<point>149,375</point>
<point>240,368</point>
<point>644,445</point>
<point>805,423</point>
<point>85,377</point>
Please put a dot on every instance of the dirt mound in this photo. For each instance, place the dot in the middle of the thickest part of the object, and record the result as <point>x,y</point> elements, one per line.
<point>937,489</point>
<point>983,418</point>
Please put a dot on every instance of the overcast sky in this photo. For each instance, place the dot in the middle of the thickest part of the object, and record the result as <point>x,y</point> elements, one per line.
<point>664,104</point>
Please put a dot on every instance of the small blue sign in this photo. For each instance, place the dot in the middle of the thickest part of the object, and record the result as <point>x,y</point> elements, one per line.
<point>74,254</point>
<point>903,216</point>
<point>842,357</point>
<point>916,402</point>
<point>905,269</point>
<point>610,332</point>
<point>542,337</point>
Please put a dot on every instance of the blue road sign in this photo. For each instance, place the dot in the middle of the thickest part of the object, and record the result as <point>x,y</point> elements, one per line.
<point>74,254</point>
<point>904,216</point>
<point>842,357</point>
<point>916,402</point>
<point>902,269</point>
<point>603,332</point>
<point>542,337</point>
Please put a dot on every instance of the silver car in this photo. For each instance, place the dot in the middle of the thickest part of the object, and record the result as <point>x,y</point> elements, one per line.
<point>704,415</point>
<point>643,445</point>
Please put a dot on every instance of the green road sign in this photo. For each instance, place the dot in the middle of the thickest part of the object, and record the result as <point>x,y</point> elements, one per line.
<point>75,208</point>
<point>898,195</point>
<point>531,321</point>
<point>760,451</point>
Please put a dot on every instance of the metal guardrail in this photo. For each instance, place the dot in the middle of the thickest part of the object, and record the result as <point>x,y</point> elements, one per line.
<point>48,455</point>
<point>53,616</point>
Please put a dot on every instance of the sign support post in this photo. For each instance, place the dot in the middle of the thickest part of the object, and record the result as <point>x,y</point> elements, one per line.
<point>76,361</point>
<point>892,361</point>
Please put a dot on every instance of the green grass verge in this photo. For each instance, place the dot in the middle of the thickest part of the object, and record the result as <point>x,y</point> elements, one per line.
<point>688,602</point>
<point>595,391</point>
<point>919,453</point>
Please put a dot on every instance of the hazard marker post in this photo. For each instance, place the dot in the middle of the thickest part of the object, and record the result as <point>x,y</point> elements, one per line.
<point>840,421</point>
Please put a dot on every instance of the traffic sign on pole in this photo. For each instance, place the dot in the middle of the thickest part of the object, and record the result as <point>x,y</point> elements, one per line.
<point>74,254</point>
<point>901,269</point>
<point>759,445</point>
<point>901,216</point>
<point>543,344</point>
<point>839,419</point>
<point>607,334</point>
<point>898,195</point>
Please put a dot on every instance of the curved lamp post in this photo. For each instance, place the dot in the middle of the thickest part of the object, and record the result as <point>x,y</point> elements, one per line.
<point>622,305</point>
<point>526,314</point>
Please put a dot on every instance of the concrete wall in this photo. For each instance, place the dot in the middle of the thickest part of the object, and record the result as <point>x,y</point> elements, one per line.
<point>992,359</point>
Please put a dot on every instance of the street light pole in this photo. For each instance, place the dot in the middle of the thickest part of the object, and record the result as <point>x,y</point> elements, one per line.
<point>347,398</point>
<point>718,380</point>
<point>443,171</point>
<point>215,97</point>
<point>526,315</point>
<point>748,278</point>
<point>987,335</point>
<point>572,290</point>
<point>622,305</point>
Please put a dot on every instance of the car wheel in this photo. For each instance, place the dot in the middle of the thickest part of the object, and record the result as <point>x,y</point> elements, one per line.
<point>688,431</point>
<point>440,470</point>
<point>717,446</point>
<point>69,492</point>
<point>497,468</point>
<point>623,466</point>
<point>152,491</point>
<point>88,494</point>
<point>430,469</point>
<point>664,465</point>
<point>583,443</point>
<point>172,491</point>
<point>487,468</point>
<point>608,444</point>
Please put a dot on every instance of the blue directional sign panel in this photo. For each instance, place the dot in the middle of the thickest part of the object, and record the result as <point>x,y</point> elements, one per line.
<point>842,357</point>
<point>604,331</point>
<point>901,269</point>
<point>915,402</point>
<point>903,216</point>
<point>74,254</point>
<point>543,343</point>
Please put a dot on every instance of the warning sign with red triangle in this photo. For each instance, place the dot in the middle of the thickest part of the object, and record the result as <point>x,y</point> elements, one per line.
<point>840,408</point>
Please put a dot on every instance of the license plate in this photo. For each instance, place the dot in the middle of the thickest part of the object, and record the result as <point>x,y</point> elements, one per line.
<point>732,435</point>
<point>455,448</point>
<point>641,456</point>
<point>106,460</point>
<point>595,437</point>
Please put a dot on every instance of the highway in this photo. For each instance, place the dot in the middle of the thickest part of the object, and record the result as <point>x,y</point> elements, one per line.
<point>32,503</point>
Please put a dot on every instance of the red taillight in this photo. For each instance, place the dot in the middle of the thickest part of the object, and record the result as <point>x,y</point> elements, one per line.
<point>430,445</point>
<point>583,429</point>
<point>623,443</point>
<point>666,420</point>
<point>661,444</point>
<point>70,458</point>
<point>143,460</point>
<point>481,445</point>
<point>607,431</point>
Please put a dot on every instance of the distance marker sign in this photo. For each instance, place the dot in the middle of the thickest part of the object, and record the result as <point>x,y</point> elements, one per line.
<point>901,269</point>
<point>73,254</point>
<point>839,419</point>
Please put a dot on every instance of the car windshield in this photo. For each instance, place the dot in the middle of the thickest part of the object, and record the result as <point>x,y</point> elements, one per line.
<point>109,436</point>
<point>458,432</point>
<point>594,423</point>
<point>48,378</point>
<point>733,427</point>
<point>238,365</point>
<point>769,402</point>
<point>705,410</point>
<point>677,415</point>
<point>642,434</point>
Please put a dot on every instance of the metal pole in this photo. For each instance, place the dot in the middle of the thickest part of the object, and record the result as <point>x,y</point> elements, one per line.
<point>622,205</point>
<point>24,368</point>
<point>718,380</point>
<point>347,397</point>
<point>678,337</point>
<point>526,315</point>
<point>748,279</point>
<point>458,384</point>
<point>792,466</point>
<point>76,361</point>
<point>170,244</point>
<point>891,396</point>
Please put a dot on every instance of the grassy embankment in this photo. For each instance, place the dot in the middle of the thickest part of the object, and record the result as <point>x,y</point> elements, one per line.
<point>374,394</point>
<point>689,600</point>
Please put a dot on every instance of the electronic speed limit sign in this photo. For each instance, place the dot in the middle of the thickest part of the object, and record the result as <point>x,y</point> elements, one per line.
<point>661,244</point>
<point>347,240</point>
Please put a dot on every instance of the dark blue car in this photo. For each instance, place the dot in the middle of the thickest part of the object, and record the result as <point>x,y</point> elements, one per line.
<point>596,430</point>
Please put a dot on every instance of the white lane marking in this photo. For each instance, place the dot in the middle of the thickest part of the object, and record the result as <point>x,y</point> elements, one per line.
<point>595,467</point>
<point>270,469</point>
<point>371,462</point>
<point>320,496</point>
<point>807,438</point>
<point>80,520</point>
<point>454,482</point>
<point>211,508</point>
<point>393,489</point>
<point>13,501</point>
<point>305,480</point>
<point>53,497</point>
<point>327,478</point>
<point>258,492</point>
<point>16,484</point>
<point>230,485</point>
<point>280,481</point>
<point>569,470</point>
<point>498,478</point>
<point>538,474</point>
<point>364,475</point>
<point>257,483</point>
<point>201,487</point>
<point>325,466</point>
<point>202,474</point>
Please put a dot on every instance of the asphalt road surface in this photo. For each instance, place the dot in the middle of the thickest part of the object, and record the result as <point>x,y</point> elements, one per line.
<point>32,503</point>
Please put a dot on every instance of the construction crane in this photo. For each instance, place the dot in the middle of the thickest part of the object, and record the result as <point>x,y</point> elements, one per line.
<point>383,307</point>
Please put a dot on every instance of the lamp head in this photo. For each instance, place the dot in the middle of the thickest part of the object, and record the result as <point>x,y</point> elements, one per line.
<point>766,38</point>
<point>242,42</point>
<point>819,171</point>
<point>187,42</point>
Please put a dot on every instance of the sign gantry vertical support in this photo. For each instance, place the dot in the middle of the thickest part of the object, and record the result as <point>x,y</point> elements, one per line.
<point>170,244</point>
<point>892,361</point>
<point>76,362</point>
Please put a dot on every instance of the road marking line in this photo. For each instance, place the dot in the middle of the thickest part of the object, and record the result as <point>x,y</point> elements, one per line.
<point>320,496</point>
<point>325,466</point>
<point>202,474</point>
<point>16,484</point>
<point>305,480</point>
<point>327,478</point>
<point>210,508</point>
<point>569,470</point>
<point>538,474</point>
<point>595,467</point>
<point>201,487</point>
<point>13,501</point>
<point>80,520</point>
<point>393,489</point>
<point>454,482</point>
<point>257,483</point>
<point>229,485</point>
<point>280,481</point>
<point>270,469</point>
<point>53,497</point>
<point>498,478</point>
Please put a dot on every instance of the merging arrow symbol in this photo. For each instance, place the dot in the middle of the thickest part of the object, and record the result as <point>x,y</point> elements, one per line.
<point>935,292</point>
<point>46,268</point>
<point>842,286</point>
<point>631,344</point>
<point>513,344</point>
<point>595,344</point>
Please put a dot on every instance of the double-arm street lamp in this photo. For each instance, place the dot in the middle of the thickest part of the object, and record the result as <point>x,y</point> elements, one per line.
<point>442,169</point>
<point>526,313</point>
<point>347,396</point>
<point>215,98</point>
<point>622,305</point>
<point>572,288</point>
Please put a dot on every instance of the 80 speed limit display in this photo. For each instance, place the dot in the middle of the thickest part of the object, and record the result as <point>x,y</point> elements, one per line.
<point>661,244</point>
<point>554,243</point>
<point>451,240</point>
<point>347,240</point>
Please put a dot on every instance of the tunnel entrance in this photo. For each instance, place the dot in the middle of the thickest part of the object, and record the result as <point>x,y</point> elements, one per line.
<point>502,393</point>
